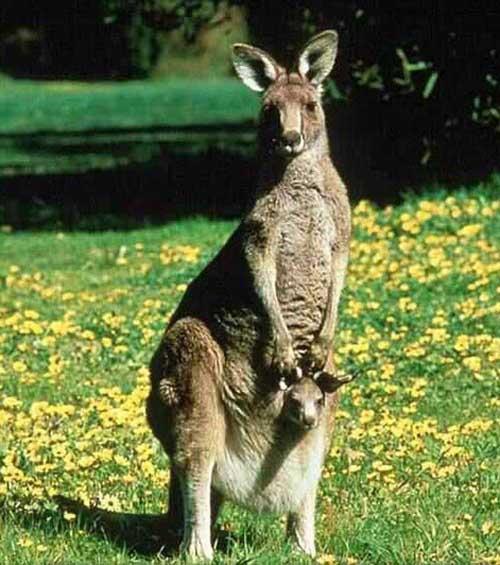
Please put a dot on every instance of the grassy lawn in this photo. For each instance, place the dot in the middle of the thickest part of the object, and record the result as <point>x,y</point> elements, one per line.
<point>67,126</point>
<point>31,107</point>
<point>413,474</point>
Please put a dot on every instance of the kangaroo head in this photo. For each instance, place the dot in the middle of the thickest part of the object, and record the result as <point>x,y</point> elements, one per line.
<point>303,403</point>
<point>292,118</point>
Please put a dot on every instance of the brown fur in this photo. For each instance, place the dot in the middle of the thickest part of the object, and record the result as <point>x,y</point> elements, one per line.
<point>265,305</point>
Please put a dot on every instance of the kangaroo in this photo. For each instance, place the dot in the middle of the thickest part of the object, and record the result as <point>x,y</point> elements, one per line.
<point>264,308</point>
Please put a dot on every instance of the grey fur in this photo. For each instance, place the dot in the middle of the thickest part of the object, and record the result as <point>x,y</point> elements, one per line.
<point>265,305</point>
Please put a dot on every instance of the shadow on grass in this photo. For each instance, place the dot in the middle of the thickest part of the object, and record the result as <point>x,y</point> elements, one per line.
<point>214,184</point>
<point>145,534</point>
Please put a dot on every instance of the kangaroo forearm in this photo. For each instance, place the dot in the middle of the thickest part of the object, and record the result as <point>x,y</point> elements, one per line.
<point>265,287</point>
<point>260,241</point>
<point>339,268</point>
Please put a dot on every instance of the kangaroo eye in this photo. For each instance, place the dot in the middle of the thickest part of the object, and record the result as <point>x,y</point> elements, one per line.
<point>311,106</point>
<point>270,114</point>
<point>269,110</point>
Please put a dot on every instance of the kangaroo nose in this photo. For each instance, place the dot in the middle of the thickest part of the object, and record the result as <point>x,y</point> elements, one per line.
<point>292,138</point>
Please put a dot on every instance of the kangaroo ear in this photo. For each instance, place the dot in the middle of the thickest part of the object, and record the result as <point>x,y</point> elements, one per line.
<point>317,58</point>
<point>255,67</point>
<point>330,383</point>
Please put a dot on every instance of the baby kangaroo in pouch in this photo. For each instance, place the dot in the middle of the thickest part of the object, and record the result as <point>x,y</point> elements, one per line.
<point>263,311</point>
<point>305,398</point>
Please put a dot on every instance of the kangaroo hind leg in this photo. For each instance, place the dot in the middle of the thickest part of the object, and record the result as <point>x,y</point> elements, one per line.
<point>198,430</point>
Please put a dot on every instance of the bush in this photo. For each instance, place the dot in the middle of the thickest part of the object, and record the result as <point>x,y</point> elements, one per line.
<point>420,77</point>
<point>94,39</point>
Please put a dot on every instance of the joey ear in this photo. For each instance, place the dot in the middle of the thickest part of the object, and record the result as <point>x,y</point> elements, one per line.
<point>255,67</point>
<point>330,383</point>
<point>317,58</point>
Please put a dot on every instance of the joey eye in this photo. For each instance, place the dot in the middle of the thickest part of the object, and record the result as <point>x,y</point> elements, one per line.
<point>311,106</point>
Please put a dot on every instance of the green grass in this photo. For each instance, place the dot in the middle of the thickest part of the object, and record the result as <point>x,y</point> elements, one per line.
<point>30,107</point>
<point>412,476</point>
<point>50,127</point>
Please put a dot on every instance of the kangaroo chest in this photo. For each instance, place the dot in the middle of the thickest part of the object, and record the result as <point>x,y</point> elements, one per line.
<point>307,235</point>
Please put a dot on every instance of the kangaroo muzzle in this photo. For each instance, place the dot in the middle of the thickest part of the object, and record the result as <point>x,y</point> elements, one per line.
<point>292,142</point>
<point>309,415</point>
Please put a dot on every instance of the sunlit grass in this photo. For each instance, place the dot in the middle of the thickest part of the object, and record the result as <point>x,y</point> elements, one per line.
<point>37,106</point>
<point>412,476</point>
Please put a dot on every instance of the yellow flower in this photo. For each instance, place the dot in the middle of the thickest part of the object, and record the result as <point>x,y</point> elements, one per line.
<point>31,314</point>
<point>88,334</point>
<point>381,467</point>
<point>366,416</point>
<point>487,527</point>
<point>388,370</point>
<point>467,517</point>
<point>41,548</point>
<point>326,559</point>
<point>472,363</point>
<point>61,327</point>
<point>11,402</point>
<point>462,343</point>
<point>470,230</point>
<point>69,516</point>
<point>19,366</point>
<point>120,460</point>
<point>86,461</point>
<point>405,304</point>
<point>106,342</point>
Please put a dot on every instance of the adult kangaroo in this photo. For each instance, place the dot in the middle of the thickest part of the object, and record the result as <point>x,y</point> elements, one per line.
<point>263,309</point>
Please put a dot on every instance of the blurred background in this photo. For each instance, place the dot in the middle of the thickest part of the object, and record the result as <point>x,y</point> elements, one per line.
<point>119,112</point>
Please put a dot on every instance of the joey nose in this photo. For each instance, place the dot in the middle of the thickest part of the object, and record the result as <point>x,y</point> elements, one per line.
<point>309,419</point>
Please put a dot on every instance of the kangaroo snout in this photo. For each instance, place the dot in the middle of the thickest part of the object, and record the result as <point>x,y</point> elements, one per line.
<point>292,142</point>
<point>310,416</point>
<point>304,413</point>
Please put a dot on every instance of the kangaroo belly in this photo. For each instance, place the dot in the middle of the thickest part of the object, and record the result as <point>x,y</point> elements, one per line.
<point>274,480</point>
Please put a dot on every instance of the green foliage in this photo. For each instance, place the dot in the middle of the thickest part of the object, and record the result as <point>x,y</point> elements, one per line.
<point>102,39</point>
<point>141,24</point>
<point>188,15</point>
<point>427,73</point>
